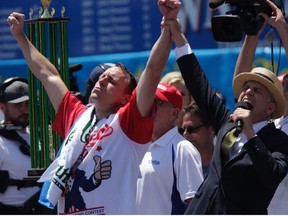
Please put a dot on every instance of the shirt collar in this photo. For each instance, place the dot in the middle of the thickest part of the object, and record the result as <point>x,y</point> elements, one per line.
<point>166,138</point>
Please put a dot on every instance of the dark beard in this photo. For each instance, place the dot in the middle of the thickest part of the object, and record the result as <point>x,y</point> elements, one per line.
<point>22,121</point>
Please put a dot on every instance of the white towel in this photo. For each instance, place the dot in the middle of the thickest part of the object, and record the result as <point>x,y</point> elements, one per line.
<point>73,145</point>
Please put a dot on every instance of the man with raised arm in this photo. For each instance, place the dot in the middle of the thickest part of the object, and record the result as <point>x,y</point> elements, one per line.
<point>249,161</point>
<point>98,167</point>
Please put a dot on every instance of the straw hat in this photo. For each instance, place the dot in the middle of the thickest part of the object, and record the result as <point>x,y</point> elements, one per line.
<point>267,79</point>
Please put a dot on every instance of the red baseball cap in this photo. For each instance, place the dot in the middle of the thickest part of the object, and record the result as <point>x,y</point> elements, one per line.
<point>170,94</point>
<point>282,77</point>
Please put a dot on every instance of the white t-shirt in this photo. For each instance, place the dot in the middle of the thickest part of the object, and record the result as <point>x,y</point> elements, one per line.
<point>155,184</point>
<point>278,204</point>
<point>17,164</point>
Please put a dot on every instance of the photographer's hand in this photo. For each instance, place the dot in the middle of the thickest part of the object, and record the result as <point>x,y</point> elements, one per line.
<point>277,20</point>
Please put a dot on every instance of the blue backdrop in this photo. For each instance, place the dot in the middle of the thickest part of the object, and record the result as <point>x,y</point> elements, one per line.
<point>115,26</point>
<point>217,63</point>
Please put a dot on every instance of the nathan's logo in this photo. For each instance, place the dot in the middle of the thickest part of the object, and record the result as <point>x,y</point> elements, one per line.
<point>105,131</point>
<point>70,136</point>
<point>86,132</point>
<point>61,176</point>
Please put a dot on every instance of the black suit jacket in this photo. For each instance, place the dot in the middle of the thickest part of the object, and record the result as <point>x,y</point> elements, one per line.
<point>245,184</point>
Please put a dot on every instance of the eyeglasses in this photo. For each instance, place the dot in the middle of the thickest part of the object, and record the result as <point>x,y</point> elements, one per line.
<point>190,129</point>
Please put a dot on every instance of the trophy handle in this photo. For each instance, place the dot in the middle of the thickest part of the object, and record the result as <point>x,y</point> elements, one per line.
<point>46,4</point>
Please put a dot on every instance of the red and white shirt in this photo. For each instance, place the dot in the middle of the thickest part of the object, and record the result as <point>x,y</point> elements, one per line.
<point>114,143</point>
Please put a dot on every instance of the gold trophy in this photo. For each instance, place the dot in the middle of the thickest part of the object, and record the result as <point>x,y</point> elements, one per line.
<point>46,4</point>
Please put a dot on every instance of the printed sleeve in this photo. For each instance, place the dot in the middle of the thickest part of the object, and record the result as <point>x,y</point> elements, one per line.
<point>136,127</point>
<point>69,110</point>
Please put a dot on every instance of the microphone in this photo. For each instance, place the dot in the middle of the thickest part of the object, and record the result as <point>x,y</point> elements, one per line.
<point>239,122</point>
<point>215,3</point>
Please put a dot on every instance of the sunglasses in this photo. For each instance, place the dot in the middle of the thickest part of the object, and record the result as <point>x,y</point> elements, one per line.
<point>190,129</point>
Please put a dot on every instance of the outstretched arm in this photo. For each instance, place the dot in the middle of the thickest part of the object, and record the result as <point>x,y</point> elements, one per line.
<point>195,78</point>
<point>39,65</point>
<point>157,60</point>
<point>246,56</point>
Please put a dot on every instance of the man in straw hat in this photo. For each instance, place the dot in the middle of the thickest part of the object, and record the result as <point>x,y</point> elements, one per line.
<point>278,204</point>
<point>243,178</point>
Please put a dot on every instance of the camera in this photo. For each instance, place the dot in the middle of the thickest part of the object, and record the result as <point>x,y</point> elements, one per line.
<point>245,18</point>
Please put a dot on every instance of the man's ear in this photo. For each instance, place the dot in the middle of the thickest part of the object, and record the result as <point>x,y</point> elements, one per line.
<point>126,99</point>
<point>2,106</point>
<point>175,113</point>
<point>271,107</point>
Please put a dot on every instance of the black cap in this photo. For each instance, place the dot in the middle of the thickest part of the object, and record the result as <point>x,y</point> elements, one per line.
<point>16,92</point>
<point>98,70</point>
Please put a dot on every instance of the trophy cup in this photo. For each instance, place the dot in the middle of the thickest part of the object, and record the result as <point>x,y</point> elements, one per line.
<point>46,4</point>
<point>49,35</point>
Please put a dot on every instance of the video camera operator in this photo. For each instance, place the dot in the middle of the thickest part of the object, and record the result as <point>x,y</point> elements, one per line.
<point>244,18</point>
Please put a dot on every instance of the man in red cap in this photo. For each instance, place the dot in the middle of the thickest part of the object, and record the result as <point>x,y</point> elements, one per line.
<point>171,170</point>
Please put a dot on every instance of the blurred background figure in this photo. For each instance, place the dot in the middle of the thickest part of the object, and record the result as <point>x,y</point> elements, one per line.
<point>175,79</point>
<point>278,203</point>
<point>197,129</point>
<point>1,116</point>
<point>282,123</point>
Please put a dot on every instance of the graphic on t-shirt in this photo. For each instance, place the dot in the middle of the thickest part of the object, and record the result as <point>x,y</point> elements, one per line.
<point>73,198</point>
